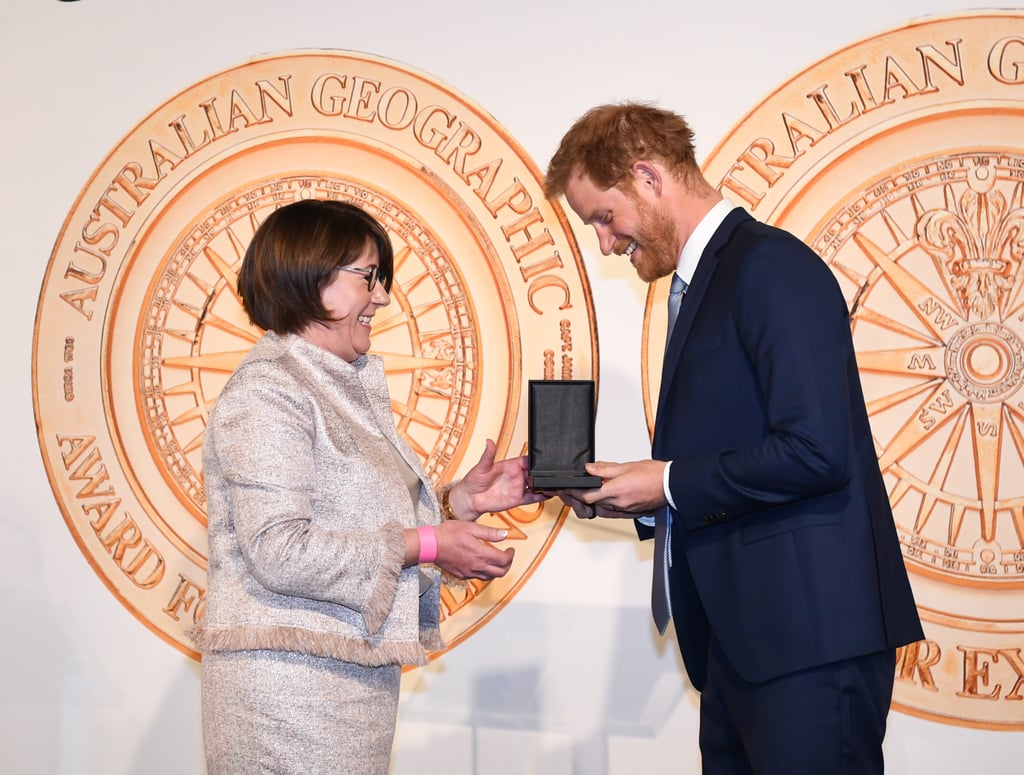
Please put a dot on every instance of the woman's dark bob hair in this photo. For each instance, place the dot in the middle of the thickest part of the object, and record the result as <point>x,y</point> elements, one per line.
<point>293,255</point>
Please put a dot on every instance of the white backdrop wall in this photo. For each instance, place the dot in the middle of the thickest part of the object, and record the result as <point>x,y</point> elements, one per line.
<point>570,677</point>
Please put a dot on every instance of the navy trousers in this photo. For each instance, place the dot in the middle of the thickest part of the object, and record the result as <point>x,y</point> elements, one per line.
<point>828,720</point>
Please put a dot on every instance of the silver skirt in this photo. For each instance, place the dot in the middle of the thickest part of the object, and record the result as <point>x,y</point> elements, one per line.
<point>282,713</point>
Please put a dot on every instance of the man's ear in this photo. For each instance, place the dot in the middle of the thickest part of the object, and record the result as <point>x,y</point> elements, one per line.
<point>646,175</point>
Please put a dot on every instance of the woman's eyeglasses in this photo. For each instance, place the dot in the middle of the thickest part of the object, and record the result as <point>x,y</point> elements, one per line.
<point>371,273</point>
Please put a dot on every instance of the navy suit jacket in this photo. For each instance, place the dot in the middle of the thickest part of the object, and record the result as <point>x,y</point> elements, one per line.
<point>783,540</point>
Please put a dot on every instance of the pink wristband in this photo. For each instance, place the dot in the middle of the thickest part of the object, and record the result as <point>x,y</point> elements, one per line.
<point>428,544</point>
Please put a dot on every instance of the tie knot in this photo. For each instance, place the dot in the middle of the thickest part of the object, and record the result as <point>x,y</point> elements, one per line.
<point>679,285</point>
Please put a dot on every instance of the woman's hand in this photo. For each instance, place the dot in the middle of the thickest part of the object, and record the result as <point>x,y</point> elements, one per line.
<point>466,550</point>
<point>492,486</point>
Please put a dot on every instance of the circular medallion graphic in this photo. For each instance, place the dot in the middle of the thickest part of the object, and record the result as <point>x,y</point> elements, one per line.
<point>900,160</point>
<point>139,324</point>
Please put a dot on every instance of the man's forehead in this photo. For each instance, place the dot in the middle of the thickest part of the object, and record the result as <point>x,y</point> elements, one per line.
<point>582,194</point>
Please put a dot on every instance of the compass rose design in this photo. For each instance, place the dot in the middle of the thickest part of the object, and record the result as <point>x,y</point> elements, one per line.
<point>935,257</point>
<point>139,325</point>
<point>898,159</point>
<point>194,332</point>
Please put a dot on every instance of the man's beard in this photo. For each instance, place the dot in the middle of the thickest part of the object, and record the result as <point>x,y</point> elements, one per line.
<point>658,241</point>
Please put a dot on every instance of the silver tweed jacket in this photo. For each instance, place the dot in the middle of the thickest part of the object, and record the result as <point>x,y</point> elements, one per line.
<point>306,508</point>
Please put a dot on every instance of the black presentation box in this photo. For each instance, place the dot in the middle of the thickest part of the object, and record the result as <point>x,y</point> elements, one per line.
<point>561,433</point>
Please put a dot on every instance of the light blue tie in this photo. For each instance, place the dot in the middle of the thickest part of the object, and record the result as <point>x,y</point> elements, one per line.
<point>675,298</point>
<point>661,605</point>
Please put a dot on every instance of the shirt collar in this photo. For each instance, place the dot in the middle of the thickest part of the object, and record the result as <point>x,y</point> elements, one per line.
<point>699,239</point>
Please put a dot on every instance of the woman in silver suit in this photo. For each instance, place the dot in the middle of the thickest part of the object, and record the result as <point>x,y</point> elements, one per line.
<point>326,537</point>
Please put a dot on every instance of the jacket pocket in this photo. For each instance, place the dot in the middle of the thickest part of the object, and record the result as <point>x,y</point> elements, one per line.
<point>766,525</point>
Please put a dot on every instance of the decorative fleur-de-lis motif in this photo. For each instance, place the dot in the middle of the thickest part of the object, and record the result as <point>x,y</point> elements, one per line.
<point>977,243</point>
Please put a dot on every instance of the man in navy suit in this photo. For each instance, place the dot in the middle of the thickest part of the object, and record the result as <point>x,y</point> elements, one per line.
<point>784,573</point>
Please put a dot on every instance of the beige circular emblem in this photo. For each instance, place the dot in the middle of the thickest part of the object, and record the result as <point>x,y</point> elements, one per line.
<point>900,160</point>
<point>139,324</point>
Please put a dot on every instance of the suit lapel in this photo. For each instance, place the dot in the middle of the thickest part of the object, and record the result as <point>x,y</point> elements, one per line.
<point>692,300</point>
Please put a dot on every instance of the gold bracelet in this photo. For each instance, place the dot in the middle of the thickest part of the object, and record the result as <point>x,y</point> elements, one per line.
<point>447,512</point>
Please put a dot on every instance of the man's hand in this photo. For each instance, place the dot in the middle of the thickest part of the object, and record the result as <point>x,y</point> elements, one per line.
<point>627,490</point>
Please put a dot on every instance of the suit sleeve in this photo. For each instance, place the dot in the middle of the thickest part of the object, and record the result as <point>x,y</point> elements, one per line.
<point>791,335</point>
